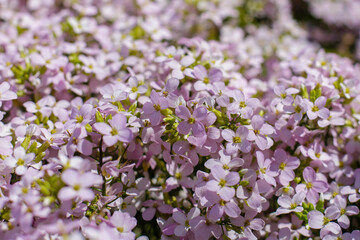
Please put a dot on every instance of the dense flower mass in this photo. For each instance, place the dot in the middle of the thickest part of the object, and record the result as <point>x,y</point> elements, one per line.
<point>181,119</point>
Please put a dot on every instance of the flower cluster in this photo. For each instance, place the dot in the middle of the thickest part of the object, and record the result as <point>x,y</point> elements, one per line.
<point>175,120</point>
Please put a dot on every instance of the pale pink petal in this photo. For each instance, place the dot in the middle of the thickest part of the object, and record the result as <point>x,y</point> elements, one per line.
<point>228,135</point>
<point>179,217</point>
<point>226,193</point>
<point>332,227</point>
<point>184,127</point>
<point>67,193</point>
<point>284,201</point>
<point>232,210</point>
<point>257,224</point>
<point>316,219</point>
<point>216,212</point>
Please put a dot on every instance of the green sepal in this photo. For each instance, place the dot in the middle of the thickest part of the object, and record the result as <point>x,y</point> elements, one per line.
<point>315,93</point>
<point>33,148</point>
<point>166,112</point>
<point>88,127</point>
<point>26,142</point>
<point>99,117</point>
<point>108,117</point>
<point>320,206</point>
<point>39,157</point>
<point>43,147</point>
<point>303,91</point>
<point>133,107</point>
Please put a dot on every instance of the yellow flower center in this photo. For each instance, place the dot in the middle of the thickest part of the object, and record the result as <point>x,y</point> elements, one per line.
<point>157,107</point>
<point>226,167</point>
<point>114,131</point>
<point>315,108</point>
<point>178,175</point>
<point>206,80</point>
<point>326,220</point>
<point>79,118</point>
<point>236,140</point>
<point>134,89</point>
<point>282,166</point>
<point>20,162</point>
<point>191,120</point>
<point>222,183</point>
<point>342,211</point>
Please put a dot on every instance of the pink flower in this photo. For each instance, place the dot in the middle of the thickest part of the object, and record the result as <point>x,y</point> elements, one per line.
<point>183,221</point>
<point>249,223</point>
<point>206,78</point>
<point>288,204</point>
<point>179,69</point>
<point>19,161</point>
<point>312,186</point>
<point>244,106</point>
<point>317,220</point>
<point>264,169</point>
<point>6,148</point>
<point>78,185</point>
<point>5,93</point>
<point>179,176</point>
<point>299,108</point>
<point>259,132</point>
<point>192,122</point>
<point>223,180</point>
<point>116,131</point>
<point>226,162</point>
<point>317,109</point>
<point>135,88</point>
<point>219,206</point>
<point>154,206</point>
<point>285,165</point>
<point>123,223</point>
<point>152,109</point>
<point>353,191</point>
<point>340,206</point>
<point>285,94</point>
<point>236,141</point>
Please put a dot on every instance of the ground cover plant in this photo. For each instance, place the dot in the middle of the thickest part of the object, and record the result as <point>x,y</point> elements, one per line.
<point>181,119</point>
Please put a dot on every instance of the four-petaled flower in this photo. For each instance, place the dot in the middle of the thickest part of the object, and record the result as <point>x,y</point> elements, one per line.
<point>116,131</point>
<point>312,185</point>
<point>153,108</point>
<point>236,140</point>
<point>191,121</point>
